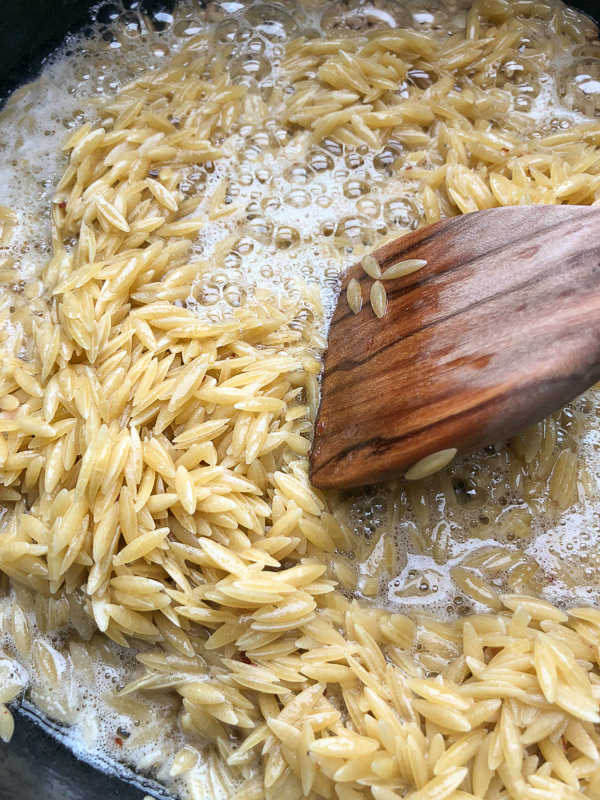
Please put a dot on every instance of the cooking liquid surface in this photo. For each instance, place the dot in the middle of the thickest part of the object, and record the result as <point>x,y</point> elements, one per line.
<point>294,212</point>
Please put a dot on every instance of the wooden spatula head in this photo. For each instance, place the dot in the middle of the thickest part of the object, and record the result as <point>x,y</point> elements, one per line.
<point>499,329</point>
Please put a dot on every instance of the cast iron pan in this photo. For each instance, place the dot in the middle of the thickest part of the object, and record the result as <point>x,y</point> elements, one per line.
<point>35,764</point>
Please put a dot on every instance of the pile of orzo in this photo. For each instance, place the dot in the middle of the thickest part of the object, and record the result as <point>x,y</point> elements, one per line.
<point>159,381</point>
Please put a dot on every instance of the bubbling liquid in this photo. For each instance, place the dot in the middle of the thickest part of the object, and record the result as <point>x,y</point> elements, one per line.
<point>284,212</point>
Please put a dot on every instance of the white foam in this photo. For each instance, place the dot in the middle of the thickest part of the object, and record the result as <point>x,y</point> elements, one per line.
<point>263,185</point>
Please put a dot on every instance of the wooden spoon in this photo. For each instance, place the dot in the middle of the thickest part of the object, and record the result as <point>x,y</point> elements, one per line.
<point>499,329</point>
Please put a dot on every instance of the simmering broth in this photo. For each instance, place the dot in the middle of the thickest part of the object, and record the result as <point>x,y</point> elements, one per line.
<point>172,585</point>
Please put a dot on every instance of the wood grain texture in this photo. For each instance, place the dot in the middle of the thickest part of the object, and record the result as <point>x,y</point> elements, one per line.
<point>501,328</point>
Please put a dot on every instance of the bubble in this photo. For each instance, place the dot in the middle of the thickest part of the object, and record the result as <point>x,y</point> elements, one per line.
<point>303,317</point>
<point>108,13</point>
<point>354,160</point>
<point>271,22</point>
<point>135,66</point>
<point>361,16</point>
<point>82,73</point>
<point>207,294</point>
<point>578,86</point>
<point>252,209</point>
<point>131,25</point>
<point>286,237</point>
<point>261,139</point>
<point>298,173</point>
<point>307,271</point>
<point>186,187</point>
<point>468,493</point>
<point>250,66</point>
<point>261,229</point>
<point>219,279</point>
<point>244,246</point>
<point>234,295</point>
<point>227,30</point>
<point>320,161</point>
<point>262,175</point>
<point>420,77</point>
<point>355,188</point>
<point>368,206</point>
<point>568,420</point>
<point>353,229</point>
<point>385,160</point>
<point>160,51</point>
<point>512,68</point>
<point>298,198</point>
<point>522,104</point>
<point>252,153</point>
<point>283,136</point>
<point>187,28</point>
<point>256,46</point>
<point>401,212</point>
<point>333,147</point>
<point>109,41</point>
<point>270,204</point>
<point>161,20</point>
<point>434,14</point>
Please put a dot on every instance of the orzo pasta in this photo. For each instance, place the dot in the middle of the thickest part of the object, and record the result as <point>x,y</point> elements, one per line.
<point>175,593</point>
